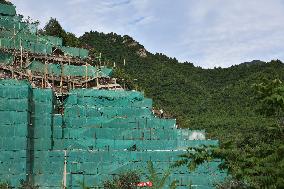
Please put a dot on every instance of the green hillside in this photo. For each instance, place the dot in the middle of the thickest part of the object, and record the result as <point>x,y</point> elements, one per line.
<point>222,101</point>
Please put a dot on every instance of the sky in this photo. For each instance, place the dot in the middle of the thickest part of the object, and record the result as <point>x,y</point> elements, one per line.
<point>208,33</point>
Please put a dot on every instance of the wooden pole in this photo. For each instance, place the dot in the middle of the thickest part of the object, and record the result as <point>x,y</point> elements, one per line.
<point>45,73</point>
<point>64,183</point>
<point>21,48</point>
<point>61,78</point>
<point>12,71</point>
<point>14,35</point>
<point>69,77</point>
<point>52,77</point>
<point>100,59</point>
<point>42,82</point>
<point>86,75</point>
<point>97,78</point>
<point>27,60</point>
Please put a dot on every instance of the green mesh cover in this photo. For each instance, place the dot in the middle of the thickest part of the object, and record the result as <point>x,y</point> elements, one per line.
<point>56,41</point>
<point>7,9</point>
<point>75,52</point>
<point>38,48</point>
<point>67,70</point>
<point>103,132</point>
<point>6,58</point>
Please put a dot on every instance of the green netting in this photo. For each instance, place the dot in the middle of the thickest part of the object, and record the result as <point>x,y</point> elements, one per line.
<point>6,43</point>
<point>83,53</point>
<point>13,143</point>
<point>57,120</point>
<point>75,52</point>
<point>6,34</point>
<point>33,28</point>
<point>97,145</point>
<point>13,180</point>
<point>106,99</point>
<point>93,167</point>
<point>6,58</point>
<point>140,145</point>
<point>43,95</point>
<point>133,134</point>
<point>17,105</point>
<point>16,18</point>
<point>7,9</point>
<point>89,112</point>
<point>108,94</point>
<point>129,122</point>
<point>16,130</point>
<point>42,48</point>
<point>82,71</point>
<point>106,71</point>
<point>67,70</point>
<point>56,41</point>
<point>93,97</point>
<point>38,48</point>
<point>13,25</point>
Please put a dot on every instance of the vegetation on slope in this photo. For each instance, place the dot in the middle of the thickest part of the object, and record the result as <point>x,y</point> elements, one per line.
<point>222,101</point>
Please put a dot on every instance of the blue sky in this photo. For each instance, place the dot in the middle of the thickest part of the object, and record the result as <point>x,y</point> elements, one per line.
<point>206,32</point>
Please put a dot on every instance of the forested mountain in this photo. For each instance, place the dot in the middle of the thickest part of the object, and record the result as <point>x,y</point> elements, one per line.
<point>221,100</point>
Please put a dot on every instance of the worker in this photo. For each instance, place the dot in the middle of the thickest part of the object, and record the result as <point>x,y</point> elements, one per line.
<point>161,113</point>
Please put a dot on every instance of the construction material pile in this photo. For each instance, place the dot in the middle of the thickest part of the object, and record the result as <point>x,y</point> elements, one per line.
<point>15,116</point>
<point>99,134</point>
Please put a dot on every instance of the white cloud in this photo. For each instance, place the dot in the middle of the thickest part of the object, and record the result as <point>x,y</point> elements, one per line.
<point>208,33</point>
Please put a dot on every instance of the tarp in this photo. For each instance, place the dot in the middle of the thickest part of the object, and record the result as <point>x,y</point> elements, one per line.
<point>67,70</point>
<point>7,10</point>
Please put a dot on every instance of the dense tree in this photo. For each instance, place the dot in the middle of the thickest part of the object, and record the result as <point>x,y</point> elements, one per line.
<point>54,28</point>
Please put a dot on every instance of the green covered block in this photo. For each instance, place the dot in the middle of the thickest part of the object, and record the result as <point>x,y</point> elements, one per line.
<point>106,72</point>
<point>7,131</point>
<point>57,120</point>
<point>81,111</point>
<point>15,105</point>
<point>56,41</point>
<point>42,132</point>
<point>6,58</point>
<point>57,133</point>
<point>43,95</point>
<point>7,10</point>
<point>48,180</point>
<point>13,89</point>
<point>83,53</point>
<point>71,51</point>
<point>42,108</point>
<point>71,100</point>
<point>14,92</point>
<point>12,179</point>
<point>13,143</point>
<point>13,117</point>
<point>42,48</point>
<point>17,130</point>
<point>42,144</point>
<point>42,121</point>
